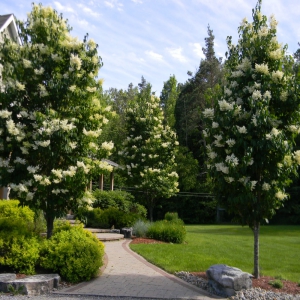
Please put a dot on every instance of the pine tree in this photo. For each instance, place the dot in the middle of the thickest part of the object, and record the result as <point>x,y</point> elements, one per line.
<point>195,95</point>
<point>168,99</point>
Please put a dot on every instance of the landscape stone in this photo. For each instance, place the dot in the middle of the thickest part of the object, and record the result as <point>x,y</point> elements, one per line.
<point>127,232</point>
<point>4,278</point>
<point>34,285</point>
<point>226,280</point>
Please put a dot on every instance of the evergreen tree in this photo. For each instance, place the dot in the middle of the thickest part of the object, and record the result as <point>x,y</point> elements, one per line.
<point>195,95</point>
<point>168,99</point>
<point>251,129</point>
<point>51,115</point>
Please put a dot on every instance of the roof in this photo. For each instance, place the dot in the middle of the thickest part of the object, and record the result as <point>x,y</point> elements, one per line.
<point>110,162</point>
<point>4,19</point>
<point>8,22</point>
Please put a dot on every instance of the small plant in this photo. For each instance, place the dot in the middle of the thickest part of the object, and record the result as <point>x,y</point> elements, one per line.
<point>276,284</point>
<point>280,277</point>
<point>299,283</point>
<point>140,228</point>
<point>15,291</point>
<point>171,216</point>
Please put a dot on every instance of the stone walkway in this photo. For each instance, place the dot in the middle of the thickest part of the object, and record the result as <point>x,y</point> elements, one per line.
<point>129,275</point>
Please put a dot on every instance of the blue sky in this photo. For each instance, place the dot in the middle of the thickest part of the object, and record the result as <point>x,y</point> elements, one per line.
<point>159,38</point>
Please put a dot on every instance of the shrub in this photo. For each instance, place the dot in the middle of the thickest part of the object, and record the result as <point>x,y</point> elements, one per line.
<point>13,227</point>
<point>96,219</point>
<point>19,247</point>
<point>111,217</point>
<point>118,199</point>
<point>20,253</point>
<point>166,231</point>
<point>11,209</point>
<point>140,228</point>
<point>60,225</point>
<point>276,283</point>
<point>74,253</point>
<point>171,216</point>
<point>138,209</point>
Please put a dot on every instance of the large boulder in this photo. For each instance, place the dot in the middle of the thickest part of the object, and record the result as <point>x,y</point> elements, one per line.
<point>226,280</point>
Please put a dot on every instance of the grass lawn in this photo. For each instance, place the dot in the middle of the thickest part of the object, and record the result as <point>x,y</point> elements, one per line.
<point>232,245</point>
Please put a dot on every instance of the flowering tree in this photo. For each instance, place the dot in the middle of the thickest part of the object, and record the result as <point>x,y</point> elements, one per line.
<point>250,131</point>
<point>149,150</point>
<point>51,115</point>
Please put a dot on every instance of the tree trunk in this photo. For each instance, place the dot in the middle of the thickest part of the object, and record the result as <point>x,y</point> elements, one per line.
<point>150,208</point>
<point>256,248</point>
<point>50,221</point>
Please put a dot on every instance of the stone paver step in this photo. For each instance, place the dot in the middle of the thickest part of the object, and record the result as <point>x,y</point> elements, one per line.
<point>106,237</point>
<point>97,230</point>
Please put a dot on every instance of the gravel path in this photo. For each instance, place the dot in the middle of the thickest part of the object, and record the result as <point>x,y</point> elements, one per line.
<point>70,297</point>
<point>250,294</point>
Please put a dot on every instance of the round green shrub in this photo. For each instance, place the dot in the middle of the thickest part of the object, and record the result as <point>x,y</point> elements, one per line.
<point>11,209</point>
<point>20,253</point>
<point>170,216</point>
<point>75,254</point>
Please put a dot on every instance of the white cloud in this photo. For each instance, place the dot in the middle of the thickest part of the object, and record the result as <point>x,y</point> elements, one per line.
<point>154,55</point>
<point>61,8</point>
<point>133,57</point>
<point>83,23</point>
<point>109,4</point>
<point>137,1</point>
<point>113,4</point>
<point>88,10</point>
<point>177,53</point>
<point>197,48</point>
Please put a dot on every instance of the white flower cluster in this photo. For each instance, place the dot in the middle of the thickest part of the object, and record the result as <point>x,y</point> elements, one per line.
<point>230,142</point>
<point>242,129</point>
<point>274,132</point>
<point>232,160</point>
<point>58,191</point>
<point>107,145</point>
<point>296,156</point>
<point>277,76</point>
<point>4,114</point>
<point>224,105</point>
<point>221,167</point>
<point>103,165</point>
<point>217,141</point>
<point>281,195</point>
<point>75,62</point>
<point>209,113</point>
<point>262,68</point>
<point>86,168</point>
<point>92,133</point>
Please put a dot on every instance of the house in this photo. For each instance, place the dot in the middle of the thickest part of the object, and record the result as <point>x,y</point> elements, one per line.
<point>8,28</point>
